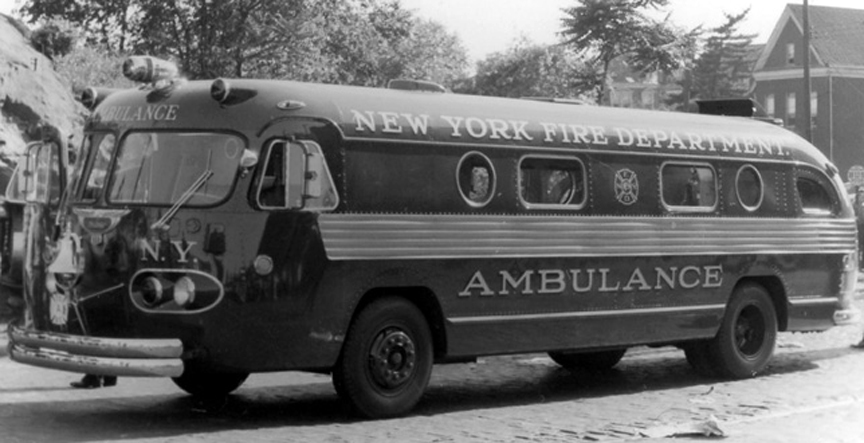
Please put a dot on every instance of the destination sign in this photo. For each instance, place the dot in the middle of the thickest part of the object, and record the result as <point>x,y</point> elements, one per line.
<point>560,133</point>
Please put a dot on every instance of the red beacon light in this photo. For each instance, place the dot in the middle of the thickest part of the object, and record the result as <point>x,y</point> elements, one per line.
<point>143,69</point>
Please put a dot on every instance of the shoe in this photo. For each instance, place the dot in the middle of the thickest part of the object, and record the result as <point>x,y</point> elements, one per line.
<point>109,380</point>
<point>89,381</point>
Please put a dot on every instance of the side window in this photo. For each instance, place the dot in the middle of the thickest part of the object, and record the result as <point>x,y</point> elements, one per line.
<point>39,179</point>
<point>814,194</point>
<point>295,175</point>
<point>272,186</point>
<point>476,179</point>
<point>689,187</point>
<point>99,169</point>
<point>748,186</point>
<point>552,182</point>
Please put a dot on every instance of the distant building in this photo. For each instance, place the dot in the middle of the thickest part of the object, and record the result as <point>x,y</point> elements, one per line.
<point>837,80</point>
<point>629,89</point>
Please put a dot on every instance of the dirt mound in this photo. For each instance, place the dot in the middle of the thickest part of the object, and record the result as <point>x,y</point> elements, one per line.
<point>32,94</point>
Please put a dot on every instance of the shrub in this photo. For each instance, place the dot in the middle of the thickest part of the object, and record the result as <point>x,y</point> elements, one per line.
<point>55,38</point>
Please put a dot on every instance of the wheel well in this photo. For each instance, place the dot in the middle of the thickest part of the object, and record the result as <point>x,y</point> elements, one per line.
<point>775,289</point>
<point>425,301</point>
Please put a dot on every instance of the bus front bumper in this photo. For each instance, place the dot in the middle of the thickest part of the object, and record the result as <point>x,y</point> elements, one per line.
<point>96,355</point>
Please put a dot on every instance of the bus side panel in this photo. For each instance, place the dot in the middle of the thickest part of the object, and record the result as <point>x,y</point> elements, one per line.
<point>813,282</point>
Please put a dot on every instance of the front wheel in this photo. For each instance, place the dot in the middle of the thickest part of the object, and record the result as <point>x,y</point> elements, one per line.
<point>386,360</point>
<point>209,384</point>
<point>747,335</point>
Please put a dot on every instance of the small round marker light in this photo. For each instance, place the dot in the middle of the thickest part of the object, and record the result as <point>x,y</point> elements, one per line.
<point>263,265</point>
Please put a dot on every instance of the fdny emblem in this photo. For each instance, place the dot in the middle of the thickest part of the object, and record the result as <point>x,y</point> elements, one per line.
<point>626,187</point>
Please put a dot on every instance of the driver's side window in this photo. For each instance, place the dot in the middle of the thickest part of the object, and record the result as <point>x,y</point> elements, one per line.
<point>271,190</point>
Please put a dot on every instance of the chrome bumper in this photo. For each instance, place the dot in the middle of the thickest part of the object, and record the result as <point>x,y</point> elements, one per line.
<point>96,355</point>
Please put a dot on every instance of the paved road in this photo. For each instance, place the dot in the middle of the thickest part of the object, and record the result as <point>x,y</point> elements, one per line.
<point>812,392</point>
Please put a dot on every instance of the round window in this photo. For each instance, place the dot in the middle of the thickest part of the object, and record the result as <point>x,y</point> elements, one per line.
<point>476,179</point>
<point>748,184</point>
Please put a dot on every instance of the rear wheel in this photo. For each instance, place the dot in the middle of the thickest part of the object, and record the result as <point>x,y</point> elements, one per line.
<point>386,360</point>
<point>200,383</point>
<point>745,342</point>
<point>592,361</point>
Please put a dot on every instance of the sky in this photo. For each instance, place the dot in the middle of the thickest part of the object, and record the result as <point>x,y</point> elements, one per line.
<point>488,26</point>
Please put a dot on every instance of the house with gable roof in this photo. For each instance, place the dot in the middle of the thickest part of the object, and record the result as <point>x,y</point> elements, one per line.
<point>837,81</point>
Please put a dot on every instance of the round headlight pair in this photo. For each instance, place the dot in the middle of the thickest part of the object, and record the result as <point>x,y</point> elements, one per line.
<point>153,291</point>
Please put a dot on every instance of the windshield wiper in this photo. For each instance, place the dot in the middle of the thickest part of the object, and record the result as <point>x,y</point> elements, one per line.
<point>188,194</point>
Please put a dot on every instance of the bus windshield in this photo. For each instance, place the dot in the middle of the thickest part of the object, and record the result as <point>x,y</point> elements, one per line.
<point>159,168</point>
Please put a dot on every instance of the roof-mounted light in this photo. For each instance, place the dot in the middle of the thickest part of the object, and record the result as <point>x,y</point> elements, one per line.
<point>225,94</point>
<point>220,90</point>
<point>91,97</point>
<point>142,69</point>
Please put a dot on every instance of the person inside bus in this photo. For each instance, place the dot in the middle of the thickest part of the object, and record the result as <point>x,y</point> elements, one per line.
<point>693,190</point>
<point>91,381</point>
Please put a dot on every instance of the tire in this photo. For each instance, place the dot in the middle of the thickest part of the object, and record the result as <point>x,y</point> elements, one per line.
<point>592,361</point>
<point>747,336</point>
<point>386,360</point>
<point>209,384</point>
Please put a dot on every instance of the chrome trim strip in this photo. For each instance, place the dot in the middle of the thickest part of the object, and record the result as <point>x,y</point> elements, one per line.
<point>170,367</point>
<point>97,346</point>
<point>582,314</point>
<point>800,301</point>
<point>425,236</point>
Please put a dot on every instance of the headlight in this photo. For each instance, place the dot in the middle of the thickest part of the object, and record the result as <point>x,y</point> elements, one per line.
<point>151,291</point>
<point>184,291</point>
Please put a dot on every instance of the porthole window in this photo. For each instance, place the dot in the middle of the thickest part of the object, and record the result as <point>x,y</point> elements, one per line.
<point>689,187</point>
<point>476,179</point>
<point>748,185</point>
<point>552,182</point>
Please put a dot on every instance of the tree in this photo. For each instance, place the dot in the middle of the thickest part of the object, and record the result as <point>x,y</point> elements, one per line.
<point>55,38</point>
<point>87,66</point>
<point>527,70</point>
<point>364,42</point>
<point>105,22</point>
<point>722,69</point>
<point>603,30</point>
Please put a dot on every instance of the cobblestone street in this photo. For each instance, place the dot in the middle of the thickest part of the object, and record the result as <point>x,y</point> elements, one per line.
<point>812,392</point>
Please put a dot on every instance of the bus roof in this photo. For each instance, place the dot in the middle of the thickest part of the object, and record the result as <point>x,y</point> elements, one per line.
<point>363,113</point>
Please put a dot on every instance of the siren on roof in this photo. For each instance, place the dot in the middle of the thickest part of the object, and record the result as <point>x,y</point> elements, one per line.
<point>145,69</point>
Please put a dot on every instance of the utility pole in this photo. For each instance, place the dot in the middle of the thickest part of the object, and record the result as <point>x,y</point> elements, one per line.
<point>808,122</point>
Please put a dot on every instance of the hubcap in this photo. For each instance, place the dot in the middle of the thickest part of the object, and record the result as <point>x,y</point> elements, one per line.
<point>392,358</point>
<point>749,331</point>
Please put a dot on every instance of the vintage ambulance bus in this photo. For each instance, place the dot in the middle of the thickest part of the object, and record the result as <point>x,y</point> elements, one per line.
<point>213,229</point>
